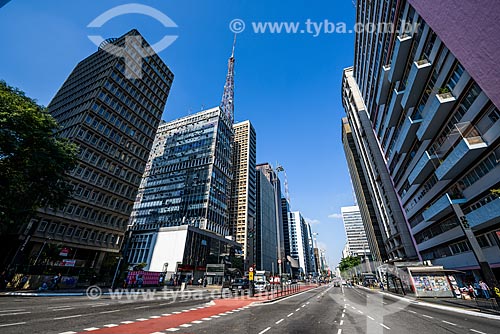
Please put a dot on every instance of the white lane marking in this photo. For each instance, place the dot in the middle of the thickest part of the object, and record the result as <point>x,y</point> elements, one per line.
<point>15,313</point>
<point>163,304</point>
<point>68,332</point>
<point>449,323</point>
<point>265,330</point>
<point>307,303</point>
<point>139,307</point>
<point>90,329</point>
<point>215,316</point>
<point>176,312</point>
<point>60,306</point>
<point>172,329</point>
<point>230,312</point>
<point>206,319</point>
<point>127,322</point>
<point>154,317</point>
<point>157,333</point>
<point>15,324</point>
<point>68,317</point>
<point>353,307</point>
<point>384,303</point>
<point>290,315</point>
<point>110,325</point>
<point>341,322</point>
<point>475,331</point>
<point>381,324</point>
<point>141,319</point>
<point>360,311</point>
<point>303,305</point>
<point>297,309</point>
<point>343,314</point>
<point>6,311</point>
<point>339,331</point>
<point>412,311</point>
<point>196,322</point>
<point>185,325</point>
<point>111,311</point>
<point>165,314</point>
<point>279,321</point>
<point>370,317</point>
<point>99,305</point>
<point>193,309</point>
<point>427,316</point>
<point>186,310</point>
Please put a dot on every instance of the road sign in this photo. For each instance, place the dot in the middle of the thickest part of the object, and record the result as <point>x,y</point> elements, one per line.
<point>250,275</point>
<point>250,269</point>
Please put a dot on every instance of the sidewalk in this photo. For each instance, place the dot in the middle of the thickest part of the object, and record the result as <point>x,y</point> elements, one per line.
<point>478,305</point>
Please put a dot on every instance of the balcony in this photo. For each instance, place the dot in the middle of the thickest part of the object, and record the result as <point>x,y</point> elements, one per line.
<point>383,85</point>
<point>467,150</point>
<point>423,168</point>
<point>435,114</point>
<point>441,208</point>
<point>488,213</point>
<point>399,57</point>
<point>395,109</point>
<point>407,134</point>
<point>417,78</point>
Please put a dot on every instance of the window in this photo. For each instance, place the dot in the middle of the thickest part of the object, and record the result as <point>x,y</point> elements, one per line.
<point>455,76</point>
<point>43,226</point>
<point>70,231</point>
<point>61,229</point>
<point>52,227</point>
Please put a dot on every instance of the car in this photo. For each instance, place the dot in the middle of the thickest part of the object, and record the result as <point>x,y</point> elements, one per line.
<point>240,286</point>
<point>336,283</point>
<point>261,286</point>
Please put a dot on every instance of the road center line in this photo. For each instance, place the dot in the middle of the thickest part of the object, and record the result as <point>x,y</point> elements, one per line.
<point>339,331</point>
<point>427,316</point>
<point>13,324</point>
<point>6,311</point>
<point>381,324</point>
<point>68,317</point>
<point>371,318</point>
<point>475,331</point>
<point>297,309</point>
<point>16,313</point>
<point>139,307</point>
<point>341,322</point>
<point>449,323</point>
<point>112,311</point>
<point>279,321</point>
<point>265,330</point>
<point>290,315</point>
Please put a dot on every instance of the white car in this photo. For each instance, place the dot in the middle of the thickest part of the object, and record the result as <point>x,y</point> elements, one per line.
<point>261,286</point>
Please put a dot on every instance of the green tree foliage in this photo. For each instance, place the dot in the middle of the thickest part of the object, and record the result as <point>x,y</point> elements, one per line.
<point>33,160</point>
<point>349,262</point>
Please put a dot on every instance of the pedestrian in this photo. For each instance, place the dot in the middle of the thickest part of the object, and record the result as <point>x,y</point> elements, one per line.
<point>381,286</point>
<point>477,289</point>
<point>485,288</point>
<point>204,282</point>
<point>132,281</point>
<point>56,280</point>
<point>472,292</point>
<point>125,282</point>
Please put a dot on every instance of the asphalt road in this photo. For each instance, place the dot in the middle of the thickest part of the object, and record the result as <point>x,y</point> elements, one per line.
<point>322,310</point>
<point>72,314</point>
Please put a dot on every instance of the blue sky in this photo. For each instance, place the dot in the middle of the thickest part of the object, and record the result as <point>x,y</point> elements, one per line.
<point>287,85</point>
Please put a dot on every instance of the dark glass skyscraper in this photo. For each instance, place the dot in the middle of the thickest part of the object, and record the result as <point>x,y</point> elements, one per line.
<point>110,105</point>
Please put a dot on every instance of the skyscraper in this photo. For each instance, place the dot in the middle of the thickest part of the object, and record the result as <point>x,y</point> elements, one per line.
<point>242,212</point>
<point>301,244</point>
<point>266,226</point>
<point>424,109</point>
<point>357,243</point>
<point>364,197</point>
<point>113,117</point>
<point>187,182</point>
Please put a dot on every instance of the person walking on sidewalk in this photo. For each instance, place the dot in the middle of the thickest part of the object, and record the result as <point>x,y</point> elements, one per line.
<point>485,288</point>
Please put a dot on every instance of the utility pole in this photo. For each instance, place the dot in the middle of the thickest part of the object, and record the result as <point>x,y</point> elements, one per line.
<point>484,266</point>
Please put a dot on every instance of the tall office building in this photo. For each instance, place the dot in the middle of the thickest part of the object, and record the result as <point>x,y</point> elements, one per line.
<point>426,100</point>
<point>301,244</point>
<point>357,243</point>
<point>242,213</point>
<point>113,117</point>
<point>266,224</point>
<point>186,190</point>
<point>272,176</point>
<point>365,199</point>
<point>285,209</point>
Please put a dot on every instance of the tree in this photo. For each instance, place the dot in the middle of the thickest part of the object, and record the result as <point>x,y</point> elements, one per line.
<point>349,262</point>
<point>33,159</point>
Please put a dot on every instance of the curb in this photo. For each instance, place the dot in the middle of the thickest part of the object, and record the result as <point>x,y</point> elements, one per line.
<point>414,301</point>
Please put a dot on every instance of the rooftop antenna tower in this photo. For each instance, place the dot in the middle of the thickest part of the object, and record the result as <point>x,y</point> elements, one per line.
<point>227,103</point>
